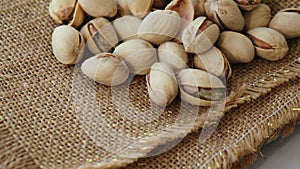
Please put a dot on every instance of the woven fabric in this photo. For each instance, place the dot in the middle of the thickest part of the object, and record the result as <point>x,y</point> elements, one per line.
<point>50,120</point>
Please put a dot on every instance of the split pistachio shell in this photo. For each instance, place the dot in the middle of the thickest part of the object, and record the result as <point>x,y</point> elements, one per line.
<point>162,84</point>
<point>287,22</point>
<point>184,8</point>
<point>248,5</point>
<point>237,47</point>
<point>122,8</point>
<point>174,55</point>
<point>140,8</point>
<point>100,35</point>
<point>127,27</point>
<point>67,44</point>
<point>225,13</point>
<point>106,68</point>
<point>98,8</point>
<point>199,8</point>
<point>258,17</point>
<point>213,61</point>
<point>138,54</point>
<point>159,26</point>
<point>198,87</point>
<point>200,35</point>
<point>269,43</point>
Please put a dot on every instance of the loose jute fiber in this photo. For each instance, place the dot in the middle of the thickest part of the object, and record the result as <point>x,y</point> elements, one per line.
<point>51,116</point>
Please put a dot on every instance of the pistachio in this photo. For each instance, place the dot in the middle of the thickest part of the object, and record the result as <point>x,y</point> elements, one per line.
<point>198,87</point>
<point>162,85</point>
<point>100,35</point>
<point>184,8</point>
<point>248,5</point>
<point>213,61</point>
<point>122,8</point>
<point>138,54</point>
<point>200,35</point>
<point>159,26</point>
<point>258,17</point>
<point>199,8</point>
<point>106,68</point>
<point>269,43</point>
<point>127,27</point>
<point>237,47</point>
<point>67,43</point>
<point>225,13</point>
<point>140,8</point>
<point>174,55</point>
<point>287,22</point>
<point>98,8</point>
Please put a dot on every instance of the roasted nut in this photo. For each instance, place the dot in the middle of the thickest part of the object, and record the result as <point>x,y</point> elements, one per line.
<point>248,5</point>
<point>98,8</point>
<point>237,47</point>
<point>67,43</point>
<point>269,44</point>
<point>199,8</point>
<point>127,27</point>
<point>140,8</point>
<point>258,17</point>
<point>122,8</point>
<point>184,8</point>
<point>106,68</point>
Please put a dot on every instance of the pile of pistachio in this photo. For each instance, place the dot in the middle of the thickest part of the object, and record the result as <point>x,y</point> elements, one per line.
<point>160,38</point>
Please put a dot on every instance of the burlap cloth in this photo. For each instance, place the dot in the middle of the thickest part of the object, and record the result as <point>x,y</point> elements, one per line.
<point>49,120</point>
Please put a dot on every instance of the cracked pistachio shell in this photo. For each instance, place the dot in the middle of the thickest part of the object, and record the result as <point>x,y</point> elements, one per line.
<point>237,47</point>
<point>199,8</point>
<point>287,22</point>
<point>127,27</point>
<point>98,8</point>
<point>162,84</point>
<point>198,87</point>
<point>122,8</point>
<point>174,55</point>
<point>213,61</point>
<point>139,8</point>
<point>138,54</point>
<point>200,35</point>
<point>184,8</point>
<point>67,43</point>
<point>248,5</point>
<point>159,26</point>
<point>106,68</point>
<point>258,17</point>
<point>100,35</point>
<point>225,13</point>
<point>269,43</point>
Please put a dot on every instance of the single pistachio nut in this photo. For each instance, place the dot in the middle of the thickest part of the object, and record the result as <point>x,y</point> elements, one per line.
<point>213,61</point>
<point>106,68</point>
<point>67,44</point>
<point>200,35</point>
<point>198,87</point>
<point>100,35</point>
<point>174,55</point>
<point>237,47</point>
<point>269,43</point>
<point>160,4</point>
<point>160,26</point>
<point>199,8</point>
<point>184,8</point>
<point>127,27</point>
<point>258,17</point>
<point>140,8</point>
<point>225,13</point>
<point>122,8</point>
<point>138,54</point>
<point>287,22</point>
<point>162,84</point>
<point>99,8</point>
<point>248,5</point>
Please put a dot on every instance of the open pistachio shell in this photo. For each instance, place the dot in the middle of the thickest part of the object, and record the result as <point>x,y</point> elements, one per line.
<point>122,8</point>
<point>140,8</point>
<point>127,27</point>
<point>258,17</point>
<point>184,8</point>
<point>199,8</point>
<point>248,5</point>
<point>98,8</point>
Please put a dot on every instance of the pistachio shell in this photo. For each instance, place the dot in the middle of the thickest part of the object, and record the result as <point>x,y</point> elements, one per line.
<point>98,8</point>
<point>138,54</point>
<point>140,8</point>
<point>269,44</point>
<point>127,27</point>
<point>78,17</point>
<point>287,22</point>
<point>106,68</point>
<point>161,84</point>
<point>122,8</point>
<point>160,26</point>
<point>258,17</point>
<point>67,44</point>
<point>199,8</point>
<point>237,47</point>
<point>184,8</point>
<point>248,5</point>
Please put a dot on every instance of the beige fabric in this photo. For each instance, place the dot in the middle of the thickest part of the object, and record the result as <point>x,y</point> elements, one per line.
<point>49,120</point>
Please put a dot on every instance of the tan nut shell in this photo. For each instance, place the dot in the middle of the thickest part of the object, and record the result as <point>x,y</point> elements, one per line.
<point>237,47</point>
<point>275,45</point>
<point>98,8</point>
<point>122,8</point>
<point>160,26</point>
<point>199,42</point>
<point>199,8</point>
<point>162,84</point>
<point>248,5</point>
<point>106,68</point>
<point>138,54</point>
<point>127,27</point>
<point>287,22</point>
<point>258,17</point>
<point>67,43</point>
<point>195,78</point>
<point>139,8</point>
<point>184,8</point>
